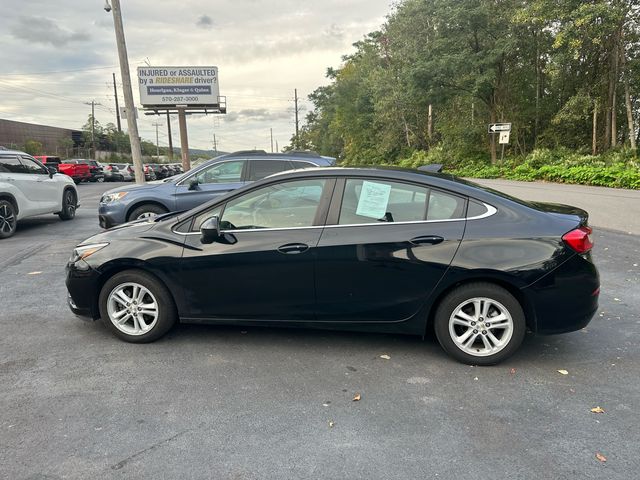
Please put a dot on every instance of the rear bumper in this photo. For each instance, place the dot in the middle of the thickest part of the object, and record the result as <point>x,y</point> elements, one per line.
<point>565,299</point>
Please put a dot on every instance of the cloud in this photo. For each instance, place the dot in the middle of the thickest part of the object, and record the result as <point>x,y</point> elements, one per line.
<point>205,21</point>
<point>257,114</point>
<point>46,31</point>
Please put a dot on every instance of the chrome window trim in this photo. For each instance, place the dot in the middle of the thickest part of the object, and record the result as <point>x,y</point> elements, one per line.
<point>491,210</point>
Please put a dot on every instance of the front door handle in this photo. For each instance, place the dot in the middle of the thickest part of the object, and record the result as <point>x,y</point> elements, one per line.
<point>427,240</point>
<point>293,248</point>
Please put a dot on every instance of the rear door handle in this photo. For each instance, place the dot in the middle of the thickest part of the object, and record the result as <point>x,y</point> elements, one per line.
<point>292,248</point>
<point>427,240</point>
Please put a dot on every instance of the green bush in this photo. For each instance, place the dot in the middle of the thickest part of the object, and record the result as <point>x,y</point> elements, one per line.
<point>618,168</point>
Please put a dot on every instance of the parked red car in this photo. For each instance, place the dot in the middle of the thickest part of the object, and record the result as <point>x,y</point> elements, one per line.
<point>77,171</point>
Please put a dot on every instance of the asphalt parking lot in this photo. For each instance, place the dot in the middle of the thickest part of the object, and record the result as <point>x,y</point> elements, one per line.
<point>258,403</point>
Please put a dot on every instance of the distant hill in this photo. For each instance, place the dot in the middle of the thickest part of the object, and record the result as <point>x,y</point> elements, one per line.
<point>200,152</point>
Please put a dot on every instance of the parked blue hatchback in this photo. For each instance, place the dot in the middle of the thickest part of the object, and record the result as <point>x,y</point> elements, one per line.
<point>199,185</point>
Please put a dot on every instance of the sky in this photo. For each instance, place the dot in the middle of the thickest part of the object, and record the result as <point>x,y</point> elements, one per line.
<point>56,56</point>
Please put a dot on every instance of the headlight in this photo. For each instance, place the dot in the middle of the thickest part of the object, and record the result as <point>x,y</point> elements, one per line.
<point>84,251</point>
<point>112,197</point>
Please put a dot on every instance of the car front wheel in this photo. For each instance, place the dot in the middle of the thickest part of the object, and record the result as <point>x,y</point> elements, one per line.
<point>69,205</point>
<point>148,210</point>
<point>137,307</point>
<point>480,324</point>
<point>8,219</point>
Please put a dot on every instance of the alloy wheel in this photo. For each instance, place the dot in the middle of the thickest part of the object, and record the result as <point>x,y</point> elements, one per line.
<point>70,203</point>
<point>481,326</point>
<point>7,219</point>
<point>132,308</point>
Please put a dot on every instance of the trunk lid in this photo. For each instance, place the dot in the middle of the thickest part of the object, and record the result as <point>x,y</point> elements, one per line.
<point>581,216</point>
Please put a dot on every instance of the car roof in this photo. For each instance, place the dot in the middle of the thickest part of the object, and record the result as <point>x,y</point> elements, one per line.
<point>13,152</point>
<point>444,181</point>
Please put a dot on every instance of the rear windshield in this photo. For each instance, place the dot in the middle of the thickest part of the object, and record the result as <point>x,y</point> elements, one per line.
<point>494,192</point>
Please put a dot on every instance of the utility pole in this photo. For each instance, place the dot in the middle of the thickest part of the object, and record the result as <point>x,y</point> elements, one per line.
<point>170,139</point>
<point>132,124</point>
<point>184,141</point>
<point>156,124</point>
<point>277,150</point>
<point>295,97</point>
<point>271,131</point>
<point>93,104</point>
<point>215,145</point>
<point>115,95</point>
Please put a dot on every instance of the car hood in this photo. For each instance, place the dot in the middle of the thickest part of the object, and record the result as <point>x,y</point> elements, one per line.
<point>130,229</point>
<point>135,188</point>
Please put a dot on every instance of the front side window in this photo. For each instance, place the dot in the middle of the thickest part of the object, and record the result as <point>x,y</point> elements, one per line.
<point>32,167</point>
<point>371,201</point>
<point>263,168</point>
<point>283,205</point>
<point>226,172</point>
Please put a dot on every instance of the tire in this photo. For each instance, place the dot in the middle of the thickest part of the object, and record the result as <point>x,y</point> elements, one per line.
<point>69,204</point>
<point>138,327</point>
<point>100,179</point>
<point>8,219</point>
<point>457,322</point>
<point>146,211</point>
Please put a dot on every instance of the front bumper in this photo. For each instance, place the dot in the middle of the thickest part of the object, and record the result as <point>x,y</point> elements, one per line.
<point>82,287</point>
<point>111,214</point>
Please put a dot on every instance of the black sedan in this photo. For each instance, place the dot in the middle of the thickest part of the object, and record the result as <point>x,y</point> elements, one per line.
<point>383,250</point>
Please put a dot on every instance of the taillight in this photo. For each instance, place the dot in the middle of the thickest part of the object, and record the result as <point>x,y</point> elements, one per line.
<point>579,239</point>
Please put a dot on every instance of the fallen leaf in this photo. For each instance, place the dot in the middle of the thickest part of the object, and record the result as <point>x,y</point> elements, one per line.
<point>601,457</point>
<point>356,398</point>
<point>563,372</point>
<point>512,371</point>
<point>34,273</point>
<point>597,410</point>
<point>386,357</point>
<point>331,424</point>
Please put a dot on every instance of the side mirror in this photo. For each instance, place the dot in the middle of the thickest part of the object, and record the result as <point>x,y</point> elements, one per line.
<point>193,184</point>
<point>52,171</point>
<point>210,230</point>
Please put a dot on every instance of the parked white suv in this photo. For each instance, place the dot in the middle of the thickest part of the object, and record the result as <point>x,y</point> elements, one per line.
<point>28,188</point>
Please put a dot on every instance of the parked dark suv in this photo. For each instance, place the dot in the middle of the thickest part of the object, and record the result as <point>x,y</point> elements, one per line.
<point>199,185</point>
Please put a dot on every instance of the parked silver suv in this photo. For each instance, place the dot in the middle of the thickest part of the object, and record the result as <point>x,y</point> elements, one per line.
<point>28,188</point>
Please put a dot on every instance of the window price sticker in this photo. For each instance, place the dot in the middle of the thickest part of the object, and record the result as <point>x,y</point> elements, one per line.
<point>374,199</point>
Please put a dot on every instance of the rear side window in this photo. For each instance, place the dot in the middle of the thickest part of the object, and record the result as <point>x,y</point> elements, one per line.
<point>370,201</point>
<point>264,168</point>
<point>444,206</point>
<point>11,164</point>
<point>302,164</point>
<point>476,209</point>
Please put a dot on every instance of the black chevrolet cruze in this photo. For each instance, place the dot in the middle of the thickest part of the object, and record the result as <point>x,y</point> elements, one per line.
<point>382,250</point>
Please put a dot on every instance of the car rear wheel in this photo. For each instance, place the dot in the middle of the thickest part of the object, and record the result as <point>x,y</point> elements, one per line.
<point>480,324</point>
<point>137,307</point>
<point>8,219</point>
<point>69,204</point>
<point>148,210</point>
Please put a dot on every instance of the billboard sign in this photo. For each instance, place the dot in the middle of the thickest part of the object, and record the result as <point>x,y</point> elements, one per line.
<point>178,86</point>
